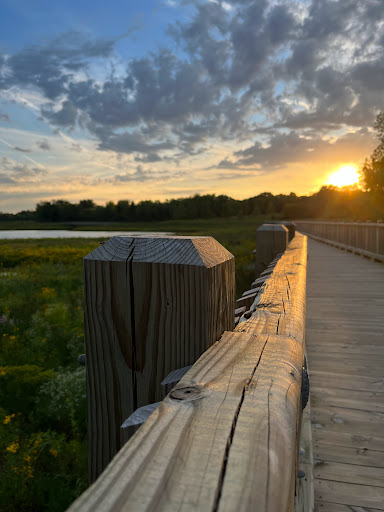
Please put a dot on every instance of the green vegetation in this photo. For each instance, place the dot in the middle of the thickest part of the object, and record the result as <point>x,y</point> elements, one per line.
<point>43,446</point>
<point>330,202</point>
<point>43,454</point>
<point>372,172</point>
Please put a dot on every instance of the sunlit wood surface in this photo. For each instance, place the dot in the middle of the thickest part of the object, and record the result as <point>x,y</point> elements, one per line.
<point>345,344</point>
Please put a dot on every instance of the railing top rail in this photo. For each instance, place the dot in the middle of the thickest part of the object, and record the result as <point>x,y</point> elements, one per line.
<point>342,223</point>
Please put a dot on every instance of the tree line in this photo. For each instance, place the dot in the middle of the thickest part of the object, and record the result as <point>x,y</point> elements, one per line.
<point>347,203</point>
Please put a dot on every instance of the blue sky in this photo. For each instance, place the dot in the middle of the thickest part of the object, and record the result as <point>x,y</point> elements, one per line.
<point>159,99</point>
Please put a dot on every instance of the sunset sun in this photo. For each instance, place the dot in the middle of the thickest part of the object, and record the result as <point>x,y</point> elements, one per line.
<point>345,175</point>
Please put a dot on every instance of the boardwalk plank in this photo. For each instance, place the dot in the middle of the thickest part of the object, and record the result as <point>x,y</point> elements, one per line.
<point>353,495</point>
<point>361,456</point>
<point>322,506</point>
<point>337,419</point>
<point>351,398</point>
<point>348,439</point>
<point>348,348</point>
<point>345,381</point>
<point>345,344</point>
<point>349,473</point>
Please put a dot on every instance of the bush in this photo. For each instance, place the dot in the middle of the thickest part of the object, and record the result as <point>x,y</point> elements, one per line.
<point>19,386</point>
<point>61,402</point>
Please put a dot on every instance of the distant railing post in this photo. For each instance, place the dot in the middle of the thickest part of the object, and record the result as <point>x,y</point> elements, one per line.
<point>271,239</point>
<point>291,226</point>
<point>152,305</point>
<point>377,239</point>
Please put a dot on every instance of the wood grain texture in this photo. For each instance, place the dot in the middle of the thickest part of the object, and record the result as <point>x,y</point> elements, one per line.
<point>352,473</point>
<point>353,495</point>
<point>244,389</point>
<point>343,420</point>
<point>152,305</point>
<point>345,342</point>
<point>279,307</point>
<point>322,506</point>
<point>187,438</point>
<point>360,456</point>
<point>268,422</point>
<point>349,439</point>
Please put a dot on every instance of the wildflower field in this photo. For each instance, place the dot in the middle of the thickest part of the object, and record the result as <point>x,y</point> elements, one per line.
<point>43,444</point>
<point>43,448</point>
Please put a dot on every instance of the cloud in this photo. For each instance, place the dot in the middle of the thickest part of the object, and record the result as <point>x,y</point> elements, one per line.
<point>264,73</point>
<point>133,142</point>
<point>51,67</point>
<point>22,150</point>
<point>149,158</point>
<point>291,147</point>
<point>4,117</point>
<point>66,116</point>
<point>44,145</point>
<point>14,173</point>
<point>142,175</point>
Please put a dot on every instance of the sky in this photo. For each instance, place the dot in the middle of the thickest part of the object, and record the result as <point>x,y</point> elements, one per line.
<point>158,99</point>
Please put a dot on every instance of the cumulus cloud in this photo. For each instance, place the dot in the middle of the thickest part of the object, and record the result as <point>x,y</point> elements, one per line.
<point>268,72</point>
<point>291,147</point>
<point>51,67</point>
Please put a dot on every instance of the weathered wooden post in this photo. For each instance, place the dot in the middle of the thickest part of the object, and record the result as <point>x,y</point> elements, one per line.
<point>152,305</point>
<point>291,226</point>
<point>271,239</point>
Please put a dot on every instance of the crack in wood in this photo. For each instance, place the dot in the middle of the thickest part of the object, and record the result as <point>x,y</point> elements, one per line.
<point>232,433</point>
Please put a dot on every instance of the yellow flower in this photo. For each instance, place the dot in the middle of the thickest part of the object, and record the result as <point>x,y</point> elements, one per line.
<point>48,291</point>
<point>37,442</point>
<point>9,418</point>
<point>53,452</point>
<point>13,447</point>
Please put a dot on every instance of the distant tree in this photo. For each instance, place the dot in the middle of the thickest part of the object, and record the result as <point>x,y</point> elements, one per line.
<point>372,172</point>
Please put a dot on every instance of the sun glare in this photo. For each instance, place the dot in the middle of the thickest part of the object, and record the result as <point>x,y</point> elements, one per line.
<point>345,175</point>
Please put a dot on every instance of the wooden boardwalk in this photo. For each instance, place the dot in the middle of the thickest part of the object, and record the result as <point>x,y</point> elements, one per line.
<point>345,344</point>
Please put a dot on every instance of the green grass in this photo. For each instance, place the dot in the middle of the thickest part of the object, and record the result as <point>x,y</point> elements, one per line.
<point>43,446</point>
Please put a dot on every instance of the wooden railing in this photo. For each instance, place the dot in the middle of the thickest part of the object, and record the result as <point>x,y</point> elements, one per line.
<point>364,238</point>
<point>226,436</point>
